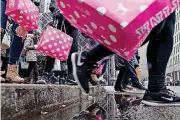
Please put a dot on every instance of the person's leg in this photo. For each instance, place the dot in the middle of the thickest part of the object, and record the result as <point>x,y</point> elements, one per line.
<point>83,63</point>
<point>49,64</point>
<point>14,54</point>
<point>3,27</point>
<point>15,49</point>
<point>96,54</point>
<point>131,73</point>
<point>35,68</point>
<point>5,60</point>
<point>43,77</point>
<point>2,72</point>
<point>3,18</point>
<point>158,53</point>
<point>122,76</point>
<point>74,33</point>
<point>30,68</point>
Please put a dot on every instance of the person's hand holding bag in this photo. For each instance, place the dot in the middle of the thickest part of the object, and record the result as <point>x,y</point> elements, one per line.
<point>21,32</point>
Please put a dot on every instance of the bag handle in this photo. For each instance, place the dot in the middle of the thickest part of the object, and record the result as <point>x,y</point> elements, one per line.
<point>63,25</point>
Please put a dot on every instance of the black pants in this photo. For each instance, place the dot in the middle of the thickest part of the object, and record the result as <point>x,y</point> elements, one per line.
<point>33,67</point>
<point>158,52</point>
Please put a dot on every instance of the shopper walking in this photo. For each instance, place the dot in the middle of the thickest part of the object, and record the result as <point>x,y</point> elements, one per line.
<point>160,42</point>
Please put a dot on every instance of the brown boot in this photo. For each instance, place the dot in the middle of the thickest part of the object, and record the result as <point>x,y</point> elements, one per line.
<point>12,75</point>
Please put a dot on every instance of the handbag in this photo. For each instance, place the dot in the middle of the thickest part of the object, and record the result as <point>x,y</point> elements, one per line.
<point>6,41</point>
<point>57,65</point>
<point>24,64</point>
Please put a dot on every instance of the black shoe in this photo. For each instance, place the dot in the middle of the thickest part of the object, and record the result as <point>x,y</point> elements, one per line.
<point>162,98</point>
<point>70,80</point>
<point>138,86</point>
<point>80,72</point>
<point>62,81</point>
<point>54,80</point>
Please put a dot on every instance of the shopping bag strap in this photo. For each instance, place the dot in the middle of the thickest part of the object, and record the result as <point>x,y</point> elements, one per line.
<point>63,26</point>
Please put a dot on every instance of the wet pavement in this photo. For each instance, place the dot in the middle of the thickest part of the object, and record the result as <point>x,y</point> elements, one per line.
<point>110,107</point>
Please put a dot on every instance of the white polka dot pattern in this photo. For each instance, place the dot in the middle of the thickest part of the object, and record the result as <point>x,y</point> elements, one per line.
<point>143,7</point>
<point>113,38</point>
<point>110,23</point>
<point>112,28</point>
<point>93,25</point>
<point>107,42</point>
<point>123,24</point>
<point>62,4</point>
<point>55,43</point>
<point>101,10</point>
<point>76,14</point>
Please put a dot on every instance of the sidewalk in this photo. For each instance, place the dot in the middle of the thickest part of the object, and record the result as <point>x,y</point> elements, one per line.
<point>22,99</point>
<point>110,89</point>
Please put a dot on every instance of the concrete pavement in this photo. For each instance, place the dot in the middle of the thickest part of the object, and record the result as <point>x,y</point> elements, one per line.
<point>28,99</point>
<point>142,112</point>
<point>110,89</point>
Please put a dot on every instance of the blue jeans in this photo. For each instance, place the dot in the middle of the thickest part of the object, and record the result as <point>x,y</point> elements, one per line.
<point>131,72</point>
<point>3,15</point>
<point>15,49</point>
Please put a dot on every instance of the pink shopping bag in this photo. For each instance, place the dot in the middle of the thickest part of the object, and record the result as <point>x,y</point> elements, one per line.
<point>55,43</point>
<point>100,69</point>
<point>23,12</point>
<point>120,25</point>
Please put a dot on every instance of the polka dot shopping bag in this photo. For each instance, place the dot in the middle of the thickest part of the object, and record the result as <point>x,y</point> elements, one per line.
<point>55,43</point>
<point>120,25</point>
<point>23,12</point>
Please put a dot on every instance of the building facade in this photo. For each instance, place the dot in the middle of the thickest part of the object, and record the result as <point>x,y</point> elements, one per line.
<point>143,62</point>
<point>173,68</point>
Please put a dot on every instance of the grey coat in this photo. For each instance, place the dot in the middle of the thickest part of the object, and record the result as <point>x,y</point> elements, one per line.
<point>31,54</point>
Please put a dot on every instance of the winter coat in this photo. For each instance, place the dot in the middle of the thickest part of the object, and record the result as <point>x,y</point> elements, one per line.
<point>31,54</point>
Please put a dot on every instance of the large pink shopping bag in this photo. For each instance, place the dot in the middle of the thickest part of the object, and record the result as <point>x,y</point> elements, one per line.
<point>55,43</point>
<point>120,25</point>
<point>23,12</point>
